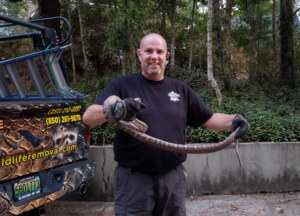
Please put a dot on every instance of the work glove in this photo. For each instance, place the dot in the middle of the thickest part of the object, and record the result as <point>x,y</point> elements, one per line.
<point>239,121</point>
<point>127,109</point>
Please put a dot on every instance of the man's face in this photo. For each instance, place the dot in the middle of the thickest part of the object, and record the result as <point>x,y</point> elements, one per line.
<point>152,55</point>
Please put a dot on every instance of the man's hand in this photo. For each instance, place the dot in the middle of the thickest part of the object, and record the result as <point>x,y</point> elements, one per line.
<point>239,121</point>
<point>127,109</point>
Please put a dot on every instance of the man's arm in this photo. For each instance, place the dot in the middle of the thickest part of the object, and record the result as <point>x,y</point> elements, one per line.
<point>219,122</point>
<point>94,115</point>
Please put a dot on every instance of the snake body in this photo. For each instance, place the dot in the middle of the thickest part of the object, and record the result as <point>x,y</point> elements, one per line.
<point>138,128</point>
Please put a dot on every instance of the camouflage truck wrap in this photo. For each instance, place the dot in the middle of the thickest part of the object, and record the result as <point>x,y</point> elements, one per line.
<point>50,187</point>
<point>53,135</point>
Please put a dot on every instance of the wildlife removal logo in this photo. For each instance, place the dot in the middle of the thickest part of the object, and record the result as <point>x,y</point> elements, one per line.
<point>174,96</point>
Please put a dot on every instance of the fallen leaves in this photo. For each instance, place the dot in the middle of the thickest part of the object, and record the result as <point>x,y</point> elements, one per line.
<point>233,208</point>
<point>286,201</point>
<point>260,209</point>
<point>280,210</point>
<point>191,198</point>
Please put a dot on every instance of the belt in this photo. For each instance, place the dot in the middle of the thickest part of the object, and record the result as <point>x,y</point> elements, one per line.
<point>149,173</point>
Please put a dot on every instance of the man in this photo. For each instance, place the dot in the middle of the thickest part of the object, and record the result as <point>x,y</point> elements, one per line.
<point>151,181</point>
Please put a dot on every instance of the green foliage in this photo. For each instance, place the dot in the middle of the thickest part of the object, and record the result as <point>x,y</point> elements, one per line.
<point>266,124</point>
<point>195,78</point>
<point>132,16</point>
<point>15,10</point>
<point>96,86</point>
<point>103,134</point>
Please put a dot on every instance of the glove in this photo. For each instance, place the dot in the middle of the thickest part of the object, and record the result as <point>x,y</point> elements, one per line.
<point>239,121</point>
<point>127,109</point>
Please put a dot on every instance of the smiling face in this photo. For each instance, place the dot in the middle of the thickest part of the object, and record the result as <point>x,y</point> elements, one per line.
<point>152,55</point>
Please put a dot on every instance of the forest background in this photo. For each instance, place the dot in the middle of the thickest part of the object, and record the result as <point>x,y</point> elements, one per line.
<point>239,56</point>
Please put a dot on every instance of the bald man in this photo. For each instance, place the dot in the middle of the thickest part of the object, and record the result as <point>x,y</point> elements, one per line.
<point>147,180</point>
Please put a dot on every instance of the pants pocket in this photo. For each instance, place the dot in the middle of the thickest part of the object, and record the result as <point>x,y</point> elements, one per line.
<point>184,171</point>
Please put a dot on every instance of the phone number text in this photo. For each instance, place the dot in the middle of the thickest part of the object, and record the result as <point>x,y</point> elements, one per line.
<point>62,119</point>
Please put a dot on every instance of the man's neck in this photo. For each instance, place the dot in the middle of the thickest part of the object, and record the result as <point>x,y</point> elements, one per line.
<point>157,77</point>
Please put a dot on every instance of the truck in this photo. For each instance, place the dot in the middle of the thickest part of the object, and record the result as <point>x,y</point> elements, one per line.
<point>43,141</point>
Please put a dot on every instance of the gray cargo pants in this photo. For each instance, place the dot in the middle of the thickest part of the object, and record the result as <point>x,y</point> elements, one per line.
<point>139,194</point>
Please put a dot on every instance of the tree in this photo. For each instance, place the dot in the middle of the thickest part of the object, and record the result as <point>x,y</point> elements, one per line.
<point>79,6</point>
<point>191,37</point>
<point>210,75</point>
<point>132,51</point>
<point>274,65</point>
<point>219,48</point>
<point>172,65</point>
<point>163,22</point>
<point>72,50</point>
<point>229,6</point>
<point>50,9</point>
<point>286,43</point>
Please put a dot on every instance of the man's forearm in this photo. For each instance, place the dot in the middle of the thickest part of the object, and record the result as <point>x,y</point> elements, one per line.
<point>219,122</point>
<point>94,115</point>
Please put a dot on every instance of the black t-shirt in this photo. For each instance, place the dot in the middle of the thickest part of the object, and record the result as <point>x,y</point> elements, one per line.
<point>171,105</point>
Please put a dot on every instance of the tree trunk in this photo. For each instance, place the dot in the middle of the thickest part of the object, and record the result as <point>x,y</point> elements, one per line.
<point>219,48</point>
<point>123,61</point>
<point>79,2</point>
<point>50,9</point>
<point>200,51</point>
<point>200,55</point>
<point>72,51</point>
<point>286,43</point>
<point>274,66</point>
<point>172,65</point>
<point>258,60</point>
<point>210,75</point>
<point>131,44</point>
<point>86,62</point>
<point>163,22</point>
<point>191,38</point>
<point>229,5</point>
<point>132,51</point>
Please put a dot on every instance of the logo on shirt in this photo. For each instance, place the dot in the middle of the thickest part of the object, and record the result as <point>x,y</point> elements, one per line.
<point>174,96</point>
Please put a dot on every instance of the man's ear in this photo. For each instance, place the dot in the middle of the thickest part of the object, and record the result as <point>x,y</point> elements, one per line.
<point>138,51</point>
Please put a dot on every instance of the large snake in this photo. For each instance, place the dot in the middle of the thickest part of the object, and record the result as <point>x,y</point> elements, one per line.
<point>137,129</point>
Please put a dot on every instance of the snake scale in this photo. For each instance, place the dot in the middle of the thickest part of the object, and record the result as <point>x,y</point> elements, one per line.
<point>138,128</point>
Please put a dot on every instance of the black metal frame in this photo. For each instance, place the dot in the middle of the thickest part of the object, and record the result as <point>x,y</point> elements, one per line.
<point>41,39</point>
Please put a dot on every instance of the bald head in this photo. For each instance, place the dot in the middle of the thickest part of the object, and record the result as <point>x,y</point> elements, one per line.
<point>152,35</point>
